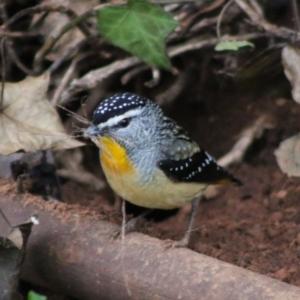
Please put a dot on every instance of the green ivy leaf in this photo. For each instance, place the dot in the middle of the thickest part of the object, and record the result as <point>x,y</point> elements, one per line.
<point>34,296</point>
<point>139,28</point>
<point>233,45</point>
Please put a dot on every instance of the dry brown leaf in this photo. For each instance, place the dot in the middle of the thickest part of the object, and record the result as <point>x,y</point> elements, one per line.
<point>28,121</point>
<point>291,63</point>
<point>288,155</point>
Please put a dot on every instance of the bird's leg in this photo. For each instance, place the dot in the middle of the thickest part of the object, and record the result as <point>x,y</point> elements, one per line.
<point>130,226</point>
<point>186,238</point>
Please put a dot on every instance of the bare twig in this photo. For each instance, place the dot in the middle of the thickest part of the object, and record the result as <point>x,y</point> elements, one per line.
<point>76,116</point>
<point>67,54</point>
<point>162,2</point>
<point>64,82</point>
<point>18,34</point>
<point>248,10</point>
<point>258,20</point>
<point>203,42</point>
<point>17,61</point>
<point>3,70</point>
<point>172,1</point>
<point>132,73</point>
<point>82,177</point>
<point>53,39</point>
<point>237,152</point>
<point>91,79</point>
<point>221,17</point>
<point>173,92</point>
<point>204,23</point>
<point>257,7</point>
<point>296,15</point>
<point>5,219</point>
<point>155,78</point>
<point>42,8</point>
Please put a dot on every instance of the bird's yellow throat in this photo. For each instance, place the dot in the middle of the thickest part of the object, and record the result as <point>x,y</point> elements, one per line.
<point>113,156</point>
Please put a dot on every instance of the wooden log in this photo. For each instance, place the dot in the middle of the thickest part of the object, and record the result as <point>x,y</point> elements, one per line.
<point>75,256</point>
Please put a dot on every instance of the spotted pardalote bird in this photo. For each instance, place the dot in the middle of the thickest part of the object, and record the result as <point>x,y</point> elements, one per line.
<point>148,159</point>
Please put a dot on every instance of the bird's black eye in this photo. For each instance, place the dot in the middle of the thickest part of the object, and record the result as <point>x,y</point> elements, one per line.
<point>124,123</point>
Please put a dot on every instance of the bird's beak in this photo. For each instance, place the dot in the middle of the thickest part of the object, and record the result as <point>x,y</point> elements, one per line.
<point>92,131</point>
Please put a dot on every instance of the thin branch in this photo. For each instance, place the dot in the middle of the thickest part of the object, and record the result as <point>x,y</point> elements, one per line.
<point>199,43</point>
<point>52,40</point>
<point>237,152</point>
<point>257,7</point>
<point>161,2</point>
<point>174,1</point>
<point>204,23</point>
<point>76,116</point>
<point>64,82</point>
<point>3,71</point>
<point>248,10</point>
<point>170,94</point>
<point>18,34</point>
<point>296,15</point>
<point>82,177</point>
<point>247,137</point>
<point>259,21</point>
<point>221,17</point>
<point>5,219</point>
<point>156,75</point>
<point>67,54</point>
<point>92,78</point>
<point>17,61</point>
<point>42,8</point>
<point>132,73</point>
